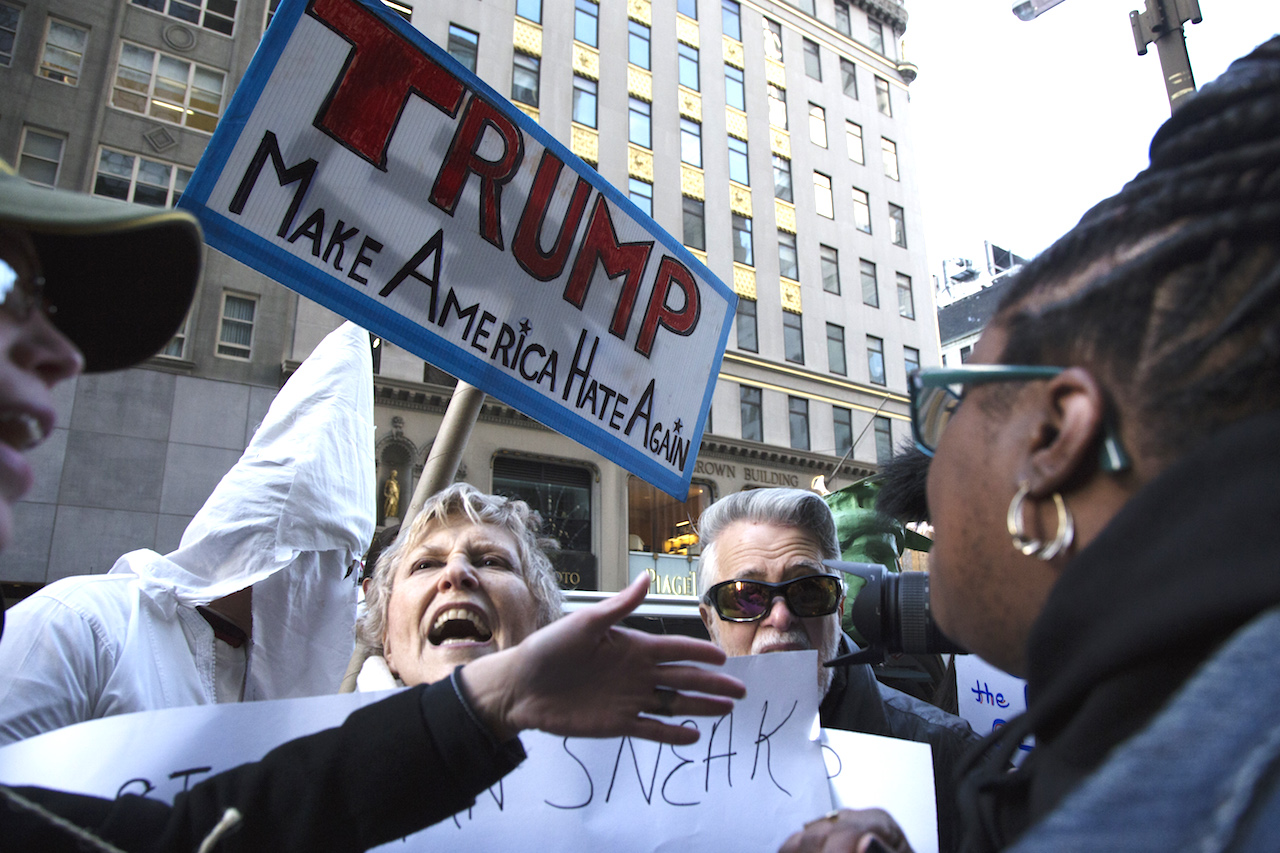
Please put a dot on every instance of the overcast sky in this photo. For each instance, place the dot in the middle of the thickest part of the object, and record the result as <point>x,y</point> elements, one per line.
<point>1020,127</point>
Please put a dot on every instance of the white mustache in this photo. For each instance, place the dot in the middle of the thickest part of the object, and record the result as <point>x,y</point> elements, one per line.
<point>768,636</point>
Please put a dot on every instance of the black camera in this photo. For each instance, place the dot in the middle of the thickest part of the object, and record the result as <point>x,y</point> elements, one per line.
<point>891,612</point>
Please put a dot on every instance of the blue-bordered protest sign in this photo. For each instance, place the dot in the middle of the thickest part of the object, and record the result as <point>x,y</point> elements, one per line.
<point>360,165</point>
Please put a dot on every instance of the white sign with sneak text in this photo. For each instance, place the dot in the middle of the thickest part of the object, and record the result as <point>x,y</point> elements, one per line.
<point>360,165</point>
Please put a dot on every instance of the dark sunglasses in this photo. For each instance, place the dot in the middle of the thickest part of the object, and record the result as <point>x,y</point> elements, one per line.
<point>747,601</point>
<point>21,297</point>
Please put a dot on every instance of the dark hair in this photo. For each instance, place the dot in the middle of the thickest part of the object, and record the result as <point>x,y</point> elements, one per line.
<point>1170,290</point>
<point>902,484</point>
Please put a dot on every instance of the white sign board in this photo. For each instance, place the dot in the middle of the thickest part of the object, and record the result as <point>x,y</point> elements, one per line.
<point>758,766</point>
<point>990,697</point>
<point>871,771</point>
<point>360,165</point>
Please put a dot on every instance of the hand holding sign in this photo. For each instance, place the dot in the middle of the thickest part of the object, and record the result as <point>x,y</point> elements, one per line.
<point>582,676</point>
<point>852,830</point>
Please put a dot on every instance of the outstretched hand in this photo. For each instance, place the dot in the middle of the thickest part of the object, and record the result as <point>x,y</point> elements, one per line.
<point>583,676</point>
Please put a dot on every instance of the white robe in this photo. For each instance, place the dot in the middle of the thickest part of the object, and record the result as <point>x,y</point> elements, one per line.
<point>288,519</point>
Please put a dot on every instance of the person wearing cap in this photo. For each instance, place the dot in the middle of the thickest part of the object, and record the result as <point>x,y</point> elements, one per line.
<point>393,767</point>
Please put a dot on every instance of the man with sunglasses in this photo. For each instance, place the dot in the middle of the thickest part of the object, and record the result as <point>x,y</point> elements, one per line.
<point>765,589</point>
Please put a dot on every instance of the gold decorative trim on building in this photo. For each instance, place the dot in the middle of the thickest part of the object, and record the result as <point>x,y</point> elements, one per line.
<point>736,123</point>
<point>586,61</point>
<point>690,104</point>
<point>785,215</point>
<point>640,11</point>
<point>775,73</point>
<point>733,53</point>
<point>692,182</point>
<point>740,199</point>
<point>531,112</point>
<point>585,142</point>
<point>686,31</point>
<point>744,280</point>
<point>790,295</point>
<point>527,37</point>
<point>780,143</point>
<point>640,162</point>
<point>640,83</point>
<point>698,253</point>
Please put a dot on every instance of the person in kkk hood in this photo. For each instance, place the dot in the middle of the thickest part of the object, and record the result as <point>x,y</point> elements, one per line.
<point>69,265</point>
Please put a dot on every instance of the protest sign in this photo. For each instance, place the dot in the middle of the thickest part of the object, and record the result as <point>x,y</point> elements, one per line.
<point>871,771</point>
<point>360,165</point>
<point>990,697</point>
<point>575,794</point>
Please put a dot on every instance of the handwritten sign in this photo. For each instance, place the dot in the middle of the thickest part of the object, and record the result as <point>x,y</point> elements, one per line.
<point>990,697</point>
<point>360,165</point>
<point>870,771</point>
<point>589,795</point>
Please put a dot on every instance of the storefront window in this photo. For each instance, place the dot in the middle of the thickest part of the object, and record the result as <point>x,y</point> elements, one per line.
<point>562,496</point>
<point>662,535</point>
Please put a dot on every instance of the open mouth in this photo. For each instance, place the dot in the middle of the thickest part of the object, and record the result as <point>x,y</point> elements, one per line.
<point>21,430</point>
<point>459,625</point>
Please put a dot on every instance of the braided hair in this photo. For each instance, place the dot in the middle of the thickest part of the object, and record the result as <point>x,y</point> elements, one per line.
<point>1170,290</point>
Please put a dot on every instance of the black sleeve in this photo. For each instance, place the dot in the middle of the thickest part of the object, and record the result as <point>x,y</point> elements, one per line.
<point>391,769</point>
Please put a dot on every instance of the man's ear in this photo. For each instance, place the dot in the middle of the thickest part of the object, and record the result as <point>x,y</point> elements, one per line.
<point>708,620</point>
<point>1072,418</point>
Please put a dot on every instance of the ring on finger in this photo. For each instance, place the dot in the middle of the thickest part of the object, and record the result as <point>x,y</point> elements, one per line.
<point>666,701</point>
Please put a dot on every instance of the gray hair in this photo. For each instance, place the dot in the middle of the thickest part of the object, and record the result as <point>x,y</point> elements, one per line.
<point>462,500</point>
<point>796,508</point>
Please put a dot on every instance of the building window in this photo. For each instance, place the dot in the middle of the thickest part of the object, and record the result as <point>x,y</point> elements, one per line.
<point>875,36</point>
<point>272,6</point>
<point>63,52</point>
<point>910,359</point>
<point>41,157</point>
<point>688,62</point>
<point>870,291</point>
<point>861,210</point>
<point>742,245</point>
<point>9,18</point>
<point>235,340</point>
<point>464,46</point>
<point>731,19</point>
<point>853,142</point>
<point>772,39</point>
<point>842,18</point>
<point>889,153</point>
<point>752,416</point>
<point>746,320</point>
<point>835,350</point>
<point>586,23</point>
<point>842,426</point>
<point>822,201</point>
<point>788,264</point>
<point>688,8</point>
<point>639,125</point>
<point>524,79</point>
<point>167,88</point>
<point>735,93</point>
<point>584,101</point>
<point>177,346</point>
<point>562,496</point>
<point>798,415</point>
<point>530,10</point>
<point>641,193</point>
<point>738,169</point>
<point>129,177</point>
<point>849,78</point>
<point>792,337</point>
<point>638,44</point>
<point>216,15</point>
<point>898,225</point>
<point>875,360</point>
<point>777,106</point>
<point>965,352</point>
<point>659,524</point>
<point>695,224</point>
<point>691,142</point>
<point>882,96</point>
<point>884,440</point>
<point>906,300</point>
<point>830,260</point>
<point>782,178</point>
<point>817,125</point>
<point>812,60</point>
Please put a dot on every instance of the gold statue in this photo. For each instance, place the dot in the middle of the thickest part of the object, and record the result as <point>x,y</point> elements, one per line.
<point>391,493</point>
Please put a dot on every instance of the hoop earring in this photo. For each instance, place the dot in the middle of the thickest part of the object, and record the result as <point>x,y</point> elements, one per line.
<point>1035,547</point>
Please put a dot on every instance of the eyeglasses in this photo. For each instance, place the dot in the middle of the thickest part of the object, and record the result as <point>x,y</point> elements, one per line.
<point>936,393</point>
<point>21,297</point>
<point>748,601</point>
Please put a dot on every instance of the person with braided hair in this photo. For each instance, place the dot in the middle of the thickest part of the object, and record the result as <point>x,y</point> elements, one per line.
<point>1104,489</point>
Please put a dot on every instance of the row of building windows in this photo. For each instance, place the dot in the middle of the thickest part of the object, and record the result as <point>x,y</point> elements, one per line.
<point>752,418</point>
